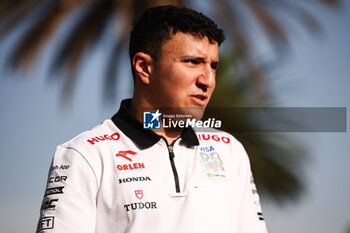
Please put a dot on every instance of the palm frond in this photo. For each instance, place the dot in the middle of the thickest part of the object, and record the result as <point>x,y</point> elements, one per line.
<point>329,3</point>
<point>30,46</point>
<point>85,34</point>
<point>13,12</point>
<point>89,28</point>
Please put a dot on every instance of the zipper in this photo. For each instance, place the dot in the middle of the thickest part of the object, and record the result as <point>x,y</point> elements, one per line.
<point>173,167</point>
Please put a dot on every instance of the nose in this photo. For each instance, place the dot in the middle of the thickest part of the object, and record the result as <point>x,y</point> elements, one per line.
<point>206,78</point>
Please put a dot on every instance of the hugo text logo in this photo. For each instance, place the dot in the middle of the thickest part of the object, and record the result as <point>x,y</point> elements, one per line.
<point>214,137</point>
<point>151,120</point>
<point>97,139</point>
<point>129,166</point>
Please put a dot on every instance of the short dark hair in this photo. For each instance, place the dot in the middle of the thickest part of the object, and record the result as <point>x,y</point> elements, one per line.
<point>157,25</point>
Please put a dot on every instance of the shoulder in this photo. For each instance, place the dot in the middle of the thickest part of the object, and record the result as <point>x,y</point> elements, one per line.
<point>90,144</point>
<point>213,140</point>
<point>87,149</point>
<point>102,132</point>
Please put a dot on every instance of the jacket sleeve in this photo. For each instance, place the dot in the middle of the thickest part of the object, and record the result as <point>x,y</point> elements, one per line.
<point>69,203</point>
<point>251,219</point>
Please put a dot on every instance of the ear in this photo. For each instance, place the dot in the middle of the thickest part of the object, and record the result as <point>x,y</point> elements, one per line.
<point>142,66</point>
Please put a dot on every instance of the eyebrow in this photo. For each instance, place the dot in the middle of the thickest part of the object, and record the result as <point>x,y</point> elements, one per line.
<point>198,58</point>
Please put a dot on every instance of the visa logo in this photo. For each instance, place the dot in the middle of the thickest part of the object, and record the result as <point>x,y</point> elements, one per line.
<point>206,148</point>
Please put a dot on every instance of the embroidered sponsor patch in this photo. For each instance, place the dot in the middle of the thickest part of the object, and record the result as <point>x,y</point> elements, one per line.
<point>212,164</point>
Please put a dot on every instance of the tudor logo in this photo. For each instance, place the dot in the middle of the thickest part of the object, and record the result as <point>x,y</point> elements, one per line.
<point>140,205</point>
<point>139,194</point>
<point>123,154</point>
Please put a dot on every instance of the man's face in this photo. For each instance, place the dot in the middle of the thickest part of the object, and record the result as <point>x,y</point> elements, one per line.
<point>184,76</point>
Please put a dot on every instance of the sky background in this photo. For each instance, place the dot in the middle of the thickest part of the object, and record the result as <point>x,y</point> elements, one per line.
<point>315,73</point>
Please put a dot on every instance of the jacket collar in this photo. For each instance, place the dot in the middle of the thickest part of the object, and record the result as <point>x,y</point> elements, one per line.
<point>145,138</point>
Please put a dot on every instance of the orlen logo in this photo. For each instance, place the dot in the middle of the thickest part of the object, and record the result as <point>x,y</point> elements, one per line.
<point>124,154</point>
<point>214,137</point>
<point>97,139</point>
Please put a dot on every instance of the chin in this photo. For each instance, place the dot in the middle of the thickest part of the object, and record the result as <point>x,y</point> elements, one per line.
<point>195,112</point>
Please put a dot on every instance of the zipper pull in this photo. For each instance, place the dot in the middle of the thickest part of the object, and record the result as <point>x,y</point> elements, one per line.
<point>171,151</point>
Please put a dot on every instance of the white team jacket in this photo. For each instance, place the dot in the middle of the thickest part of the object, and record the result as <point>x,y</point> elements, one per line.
<point>119,177</point>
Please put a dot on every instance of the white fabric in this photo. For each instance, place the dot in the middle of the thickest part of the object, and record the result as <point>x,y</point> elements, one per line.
<point>217,195</point>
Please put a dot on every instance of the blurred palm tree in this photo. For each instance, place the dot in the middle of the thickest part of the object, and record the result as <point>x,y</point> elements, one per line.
<point>276,159</point>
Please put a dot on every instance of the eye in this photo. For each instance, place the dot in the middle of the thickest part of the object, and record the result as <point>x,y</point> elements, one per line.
<point>192,61</point>
<point>214,65</point>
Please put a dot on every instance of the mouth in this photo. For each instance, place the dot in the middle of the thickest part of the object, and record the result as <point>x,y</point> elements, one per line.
<point>200,99</point>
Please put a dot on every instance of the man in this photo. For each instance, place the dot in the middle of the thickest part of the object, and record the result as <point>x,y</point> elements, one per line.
<point>120,177</point>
